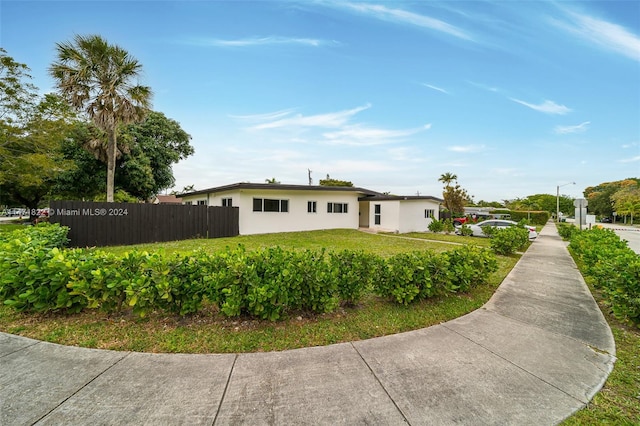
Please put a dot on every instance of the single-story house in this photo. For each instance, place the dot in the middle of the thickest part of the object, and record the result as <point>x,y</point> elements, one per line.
<point>268,208</point>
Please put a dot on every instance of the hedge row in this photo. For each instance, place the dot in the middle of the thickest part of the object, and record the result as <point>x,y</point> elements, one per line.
<point>614,267</point>
<point>267,283</point>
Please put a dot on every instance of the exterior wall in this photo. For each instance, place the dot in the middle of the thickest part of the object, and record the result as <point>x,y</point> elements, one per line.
<point>412,215</point>
<point>296,219</point>
<point>389,216</point>
<point>402,215</point>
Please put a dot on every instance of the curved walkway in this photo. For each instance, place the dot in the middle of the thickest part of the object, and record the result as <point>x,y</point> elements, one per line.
<point>535,353</point>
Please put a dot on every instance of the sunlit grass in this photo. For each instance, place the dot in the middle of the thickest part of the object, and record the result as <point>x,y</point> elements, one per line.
<point>335,239</point>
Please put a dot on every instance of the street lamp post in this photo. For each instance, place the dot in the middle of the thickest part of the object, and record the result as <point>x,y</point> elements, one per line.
<point>558,200</point>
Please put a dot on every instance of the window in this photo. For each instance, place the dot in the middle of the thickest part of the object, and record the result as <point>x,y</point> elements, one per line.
<point>311,207</point>
<point>268,205</point>
<point>202,202</point>
<point>337,208</point>
<point>227,202</point>
<point>429,213</point>
<point>188,203</point>
<point>377,209</point>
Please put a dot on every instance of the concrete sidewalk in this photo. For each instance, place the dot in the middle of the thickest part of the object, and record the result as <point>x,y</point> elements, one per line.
<point>535,353</point>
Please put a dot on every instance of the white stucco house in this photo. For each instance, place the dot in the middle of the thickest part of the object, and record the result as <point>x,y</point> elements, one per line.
<point>269,208</point>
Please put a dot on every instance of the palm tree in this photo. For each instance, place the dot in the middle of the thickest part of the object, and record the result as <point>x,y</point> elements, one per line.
<point>99,79</point>
<point>447,178</point>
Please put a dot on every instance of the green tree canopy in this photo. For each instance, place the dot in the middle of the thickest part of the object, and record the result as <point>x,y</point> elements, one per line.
<point>601,196</point>
<point>335,182</point>
<point>148,151</point>
<point>97,78</point>
<point>455,197</point>
<point>35,160</point>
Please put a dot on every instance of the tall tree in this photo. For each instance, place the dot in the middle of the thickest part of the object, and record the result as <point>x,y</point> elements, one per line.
<point>147,152</point>
<point>627,200</point>
<point>448,178</point>
<point>99,79</point>
<point>455,197</point>
<point>29,173</point>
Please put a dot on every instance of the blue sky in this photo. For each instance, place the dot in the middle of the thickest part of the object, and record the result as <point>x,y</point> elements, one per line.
<point>514,97</point>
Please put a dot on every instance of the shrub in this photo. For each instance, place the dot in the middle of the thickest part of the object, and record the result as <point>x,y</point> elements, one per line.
<point>406,276</point>
<point>354,272</point>
<point>265,283</point>
<point>436,226</point>
<point>466,231</point>
<point>44,234</point>
<point>471,267</point>
<point>420,275</point>
<point>566,231</point>
<point>508,240</point>
<point>448,226</point>
<point>614,269</point>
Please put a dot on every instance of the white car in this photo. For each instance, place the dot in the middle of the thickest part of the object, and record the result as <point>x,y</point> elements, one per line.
<point>478,228</point>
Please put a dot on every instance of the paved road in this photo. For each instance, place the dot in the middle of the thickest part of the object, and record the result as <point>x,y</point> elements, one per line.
<point>538,351</point>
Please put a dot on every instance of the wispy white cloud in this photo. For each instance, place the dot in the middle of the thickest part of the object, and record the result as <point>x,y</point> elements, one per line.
<point>580,128</point>
<point>262,41</point>
<point>401,16</point>
<point>358,135</point>
<point>268,116</point>
<point>548,107</point>
<point>467,148</point>
<point>630,145</point>
<point>631,159</point>
<point>328,120</point>
<point>332,128</point>
<point>605,34</point>
<point>483,86</point>
<point>439,89</point>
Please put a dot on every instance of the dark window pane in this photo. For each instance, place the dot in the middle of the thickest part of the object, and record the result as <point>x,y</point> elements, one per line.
<point>284,206</point>
<point>345,209</point>
<point>329,207</point>
<point>271,205</point>
<point>377,208</point>
<point>257,204</point>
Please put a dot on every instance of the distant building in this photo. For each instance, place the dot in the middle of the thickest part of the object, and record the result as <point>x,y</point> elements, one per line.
<point>166,199</point>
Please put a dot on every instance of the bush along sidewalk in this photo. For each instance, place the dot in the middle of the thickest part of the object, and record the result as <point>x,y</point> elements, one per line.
<point>614,267</point>
<point>38,275</point>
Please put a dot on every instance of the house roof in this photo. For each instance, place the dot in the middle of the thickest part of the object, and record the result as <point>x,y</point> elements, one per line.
<point>384,197</point>
<point>168,199</point>
<point>283,187</point>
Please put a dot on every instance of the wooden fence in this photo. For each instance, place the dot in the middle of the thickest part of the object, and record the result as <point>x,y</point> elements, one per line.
<point>94,224</point>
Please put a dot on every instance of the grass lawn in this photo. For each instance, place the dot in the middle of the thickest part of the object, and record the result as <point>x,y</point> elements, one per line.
<point>335,239</point>
<point>210,332</point>
<point>8,227</point>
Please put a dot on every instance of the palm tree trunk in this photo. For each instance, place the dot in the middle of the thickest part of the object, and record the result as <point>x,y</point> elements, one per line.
<point>111,163</point>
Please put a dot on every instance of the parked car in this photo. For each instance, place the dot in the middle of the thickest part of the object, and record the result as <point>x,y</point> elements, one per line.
<point>605,220</point>
<point>478,228</point>
<point>459,221</point>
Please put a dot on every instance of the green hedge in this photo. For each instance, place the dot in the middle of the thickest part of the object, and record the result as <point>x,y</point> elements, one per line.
<point>38,275</point>
<point>614,267</point>
<point>535,218</point>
